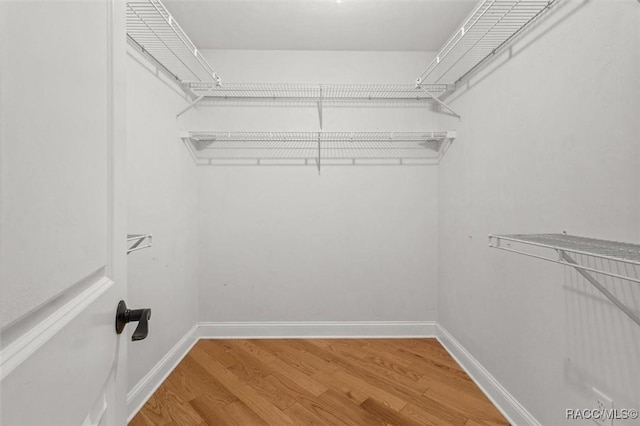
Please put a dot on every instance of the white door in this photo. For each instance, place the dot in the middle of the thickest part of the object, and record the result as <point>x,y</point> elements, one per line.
<point>62,229</point>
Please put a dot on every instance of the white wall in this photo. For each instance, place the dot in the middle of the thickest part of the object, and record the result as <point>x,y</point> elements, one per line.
<point>284,244</point>
<point>548,142</point>
<point>162,200</point>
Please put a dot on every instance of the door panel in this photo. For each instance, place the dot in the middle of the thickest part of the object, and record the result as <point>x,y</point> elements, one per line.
<point>54,149</point>
<point>62,219</point>
<point>47,387</point>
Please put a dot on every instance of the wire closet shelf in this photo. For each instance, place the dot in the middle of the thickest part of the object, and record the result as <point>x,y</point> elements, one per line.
<point>312,92</point>
<point>312,148</point>
<point>571,250</point>
<point>399,137</point>
<point>152,29</point>
<point>488,28</point>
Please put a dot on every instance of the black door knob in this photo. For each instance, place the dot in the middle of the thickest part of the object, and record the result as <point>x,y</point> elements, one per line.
<point>125,316</point>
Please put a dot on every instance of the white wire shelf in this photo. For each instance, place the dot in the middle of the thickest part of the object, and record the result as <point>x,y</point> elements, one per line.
<point>492,24</point>
<point>322,94</point>
<point>568,246</point>
<point>154,31</point>
<point>314,148</point>
<point>138,242</point>
<point>206,136</point>
<point>312,92</point>
<point>610,250</point>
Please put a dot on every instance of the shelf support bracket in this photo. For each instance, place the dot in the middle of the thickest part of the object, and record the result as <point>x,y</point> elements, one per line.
<point>319,136</point>
<point>442,104</point>
<point>138,239</point>
<point>320,106</point>
<point>191,105</point>
<point>600,287</point>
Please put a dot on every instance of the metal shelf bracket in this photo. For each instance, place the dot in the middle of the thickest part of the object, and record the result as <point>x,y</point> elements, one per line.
<point>566,245</point>
<point>564,256</point>
<point>319,157</point>
<point>191,105</point>
<point>320,106</point>
<point>134,242</point>
<point>435,98</point>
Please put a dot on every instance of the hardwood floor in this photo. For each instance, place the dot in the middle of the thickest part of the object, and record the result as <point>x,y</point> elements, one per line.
<point>319,382</point>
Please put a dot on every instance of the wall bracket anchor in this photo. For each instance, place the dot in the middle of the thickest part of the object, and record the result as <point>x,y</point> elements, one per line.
<point>435,98</point>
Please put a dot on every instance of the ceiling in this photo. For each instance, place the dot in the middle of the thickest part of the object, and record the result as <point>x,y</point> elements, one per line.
<point>383,25</point>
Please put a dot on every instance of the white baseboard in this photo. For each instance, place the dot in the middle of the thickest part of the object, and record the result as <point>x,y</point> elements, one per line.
<point>515,412</point>
<point>316,329</point>
<point>141,392</point>
<point>498,394</point>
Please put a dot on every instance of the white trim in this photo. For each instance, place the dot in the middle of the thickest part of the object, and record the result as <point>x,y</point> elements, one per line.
<point>316,329</point>
<point>141,392</point>
<point>508,405</point>
<point>515,412</point>
<point>28,343</point>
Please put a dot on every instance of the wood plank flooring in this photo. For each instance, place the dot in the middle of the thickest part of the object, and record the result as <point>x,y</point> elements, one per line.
<point>358,382</point>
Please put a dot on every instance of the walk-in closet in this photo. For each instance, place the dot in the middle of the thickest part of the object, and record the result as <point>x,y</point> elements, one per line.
<point>319,212</point>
